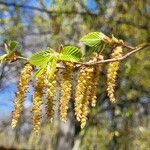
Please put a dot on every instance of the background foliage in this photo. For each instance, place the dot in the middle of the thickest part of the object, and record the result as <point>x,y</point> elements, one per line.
<point>40,24</point>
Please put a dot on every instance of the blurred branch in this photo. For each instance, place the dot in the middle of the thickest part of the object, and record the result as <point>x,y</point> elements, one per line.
<point>7,4</point>
<point>38,33</point>
<point>139,26</point>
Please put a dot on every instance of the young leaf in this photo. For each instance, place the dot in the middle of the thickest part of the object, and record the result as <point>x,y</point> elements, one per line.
<point>40,58</point>
<point>93,39</point>
<point>13,45</point>
<point>70,53</point>
<point>39,72</point>
<point>3,58</point>
<point>51,67</point>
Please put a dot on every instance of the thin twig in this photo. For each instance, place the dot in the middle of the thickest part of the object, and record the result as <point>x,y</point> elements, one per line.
<point>43,10</point>
<point>23,58</point>
<point>134,50</point>
<point>79,64</point>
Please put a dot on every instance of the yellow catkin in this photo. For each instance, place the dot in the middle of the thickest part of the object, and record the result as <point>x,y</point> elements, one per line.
<point>96,74</point>
<point>80,92</point>
<point>22,89</point>
<point>87,96</point>
<point>86,88</point>
<point>51,85</point>
<point>112,73</point>
<point>95,78</point>
<point>37,102</point>
<point>65,92</point>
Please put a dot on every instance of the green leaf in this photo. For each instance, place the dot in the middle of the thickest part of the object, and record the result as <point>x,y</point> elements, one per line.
<point>70,53</point>
<point>51,67</point>
<point>3,58</point>
<point>13,45</point>
<point>39,72</point>
<point>93,39</point>
<point>40,58</point>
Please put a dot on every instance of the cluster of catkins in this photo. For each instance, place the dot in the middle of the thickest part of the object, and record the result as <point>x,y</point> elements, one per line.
<point>113,67</point>
<point>84,95</point>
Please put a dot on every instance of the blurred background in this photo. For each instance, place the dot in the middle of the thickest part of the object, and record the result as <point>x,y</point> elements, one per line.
<point>37,24</point>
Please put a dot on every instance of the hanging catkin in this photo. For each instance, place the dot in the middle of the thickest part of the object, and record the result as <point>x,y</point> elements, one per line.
<point>80,92</point>
<point>87,96</point>
<point>50,85</point>
<point>95,79</point>
<point>22,89</point>
<point>37,102</point>
<point>65,91</point>
<point>112,73</point>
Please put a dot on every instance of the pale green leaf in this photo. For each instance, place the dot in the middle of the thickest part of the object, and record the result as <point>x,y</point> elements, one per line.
<point>51,67</point>
<point>70,53</point>
<point>3,58</point>
<point>40,58</point>
<point>93,39</point>
<point>39,72</point>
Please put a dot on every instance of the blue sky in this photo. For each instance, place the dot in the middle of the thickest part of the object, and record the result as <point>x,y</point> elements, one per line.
<point>7,92</point>
<point>7,97</point>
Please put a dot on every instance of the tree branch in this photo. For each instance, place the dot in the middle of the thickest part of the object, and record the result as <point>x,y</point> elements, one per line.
<point>134,50</point>
<point>45,10</point>
<point>79,64</point>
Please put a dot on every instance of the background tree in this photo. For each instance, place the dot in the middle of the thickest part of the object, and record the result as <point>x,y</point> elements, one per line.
<point>39,24</point>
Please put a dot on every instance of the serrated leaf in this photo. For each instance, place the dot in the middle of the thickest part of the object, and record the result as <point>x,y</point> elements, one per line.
<point>70,53</point>
<point>40,58</point>
<point>52,67</point>
<point>96,49</point>
<point>93,39</point>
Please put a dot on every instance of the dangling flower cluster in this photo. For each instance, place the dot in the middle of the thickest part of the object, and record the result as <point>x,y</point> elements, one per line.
<point>20,95</point>
<point>112,73</point>
<point>65,91</point>
<point>37,102</point>
<point>51,85</point>
<point>45,85</point>
<point>86,90</point>
<point>87,96</point>
<point>96,74</point>
<point>80,92</point>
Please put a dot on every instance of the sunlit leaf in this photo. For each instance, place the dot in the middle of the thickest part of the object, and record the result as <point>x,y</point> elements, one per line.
<point>39,72</point>
<point>40,58</point>
<point>70,53</point>
<point>93,39</point>
<point>3,58</point>
<point>51,67</point>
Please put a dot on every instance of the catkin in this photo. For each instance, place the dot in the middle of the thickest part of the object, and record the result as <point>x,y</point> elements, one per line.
<point>96,74</point>
<point>37,102</point>
<point>84,86</point>
<point>22,89</point>
<point>80,92</point>
<point>112,73</point>
<point>87,96</point>
<point>50,91</point>
<point>65,92</point>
